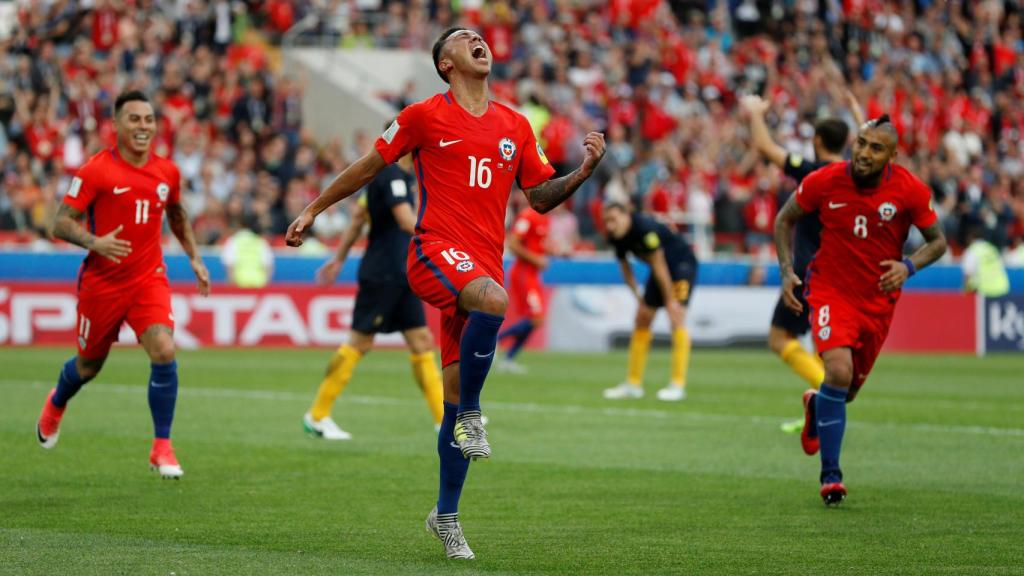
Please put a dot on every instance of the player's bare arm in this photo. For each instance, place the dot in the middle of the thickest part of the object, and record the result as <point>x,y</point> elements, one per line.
<point>897,271</point>
<point>757,107</point>
<point>328,273</point>
<point>405,217</point>
<point>659,268</point>
<point>545,196</point>
<point>517,248</point>
<point>66,227</point>
<point>177,219</point>
<point>344,185</point>
<point>627,275</point>
<point>784,222</point>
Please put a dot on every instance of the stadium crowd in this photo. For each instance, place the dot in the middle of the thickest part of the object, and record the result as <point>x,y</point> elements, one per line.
<point>662,79</point>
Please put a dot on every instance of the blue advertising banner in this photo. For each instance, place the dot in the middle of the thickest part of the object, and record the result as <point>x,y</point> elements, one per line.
<point>1004,324</point>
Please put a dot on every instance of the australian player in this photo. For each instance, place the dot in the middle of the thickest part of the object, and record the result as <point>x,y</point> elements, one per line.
<point>468,151</point>
<point>673,274</point>
<point>125,192</point>
<point>866,207</point>
<point>830,135</point>
<point>528,242</point>
<point>384,302</point>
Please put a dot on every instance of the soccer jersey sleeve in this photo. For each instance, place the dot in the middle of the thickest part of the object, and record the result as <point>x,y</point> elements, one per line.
<point>404,134</point>
<point>808,194</point>
<point>174,197</point>
<point>396,191</point>
<point>798,168</point>
<point>534,167</point>
<point>82,191</point>
<point>922,212</point>
<point>521,227</point>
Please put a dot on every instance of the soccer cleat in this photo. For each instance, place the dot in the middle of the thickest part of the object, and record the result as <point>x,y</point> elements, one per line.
<point>471,437</point>
<point>163,460</point>
<point>672,393</point>
<point>450,534</point>
<point>512,367</point>
<point>792,426</point>
<point>48,425</point>
<point>833,493</point>
<point>810,444</point>
<point>624,390</point>
<point>325,428</point>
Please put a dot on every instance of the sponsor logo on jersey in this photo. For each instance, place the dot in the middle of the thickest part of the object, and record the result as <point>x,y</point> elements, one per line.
<point>464,266</point>
<point>389,134</point>
<point>445,144</point>
<point>121,189</point>
<point>507,148</point>
<point>162,191</point>
<point>540,152</point>
<point>887,211</point>
<point>76,185</point>
<point>825,332</point>
<point>835,205</point>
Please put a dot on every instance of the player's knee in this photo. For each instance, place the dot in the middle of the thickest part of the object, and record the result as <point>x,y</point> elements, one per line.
<point>421,341</point>
<point>537,321</point>
<point>89,369</point>
<point>838,373</point>
<point>162,351</point>
<point>644,317</point>
<point>488,297</point>
<point>777,341</point>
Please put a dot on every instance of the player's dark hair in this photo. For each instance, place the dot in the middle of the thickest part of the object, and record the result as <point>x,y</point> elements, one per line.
<point>126,97</point>
<point>833,133</point>
<point>439,45</point>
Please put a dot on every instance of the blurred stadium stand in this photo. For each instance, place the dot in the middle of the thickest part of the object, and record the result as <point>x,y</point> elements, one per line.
<point>247,88</point>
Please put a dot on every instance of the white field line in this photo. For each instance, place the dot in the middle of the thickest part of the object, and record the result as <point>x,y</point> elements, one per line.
<point>534,408</point>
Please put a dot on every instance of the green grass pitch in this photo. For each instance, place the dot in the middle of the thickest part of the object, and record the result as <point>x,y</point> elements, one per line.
<point>934,460</point>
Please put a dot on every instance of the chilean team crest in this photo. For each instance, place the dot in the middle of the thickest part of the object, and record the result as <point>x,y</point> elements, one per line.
<point>887,211</point>
<point>162,191</point>
<point>507,148</point>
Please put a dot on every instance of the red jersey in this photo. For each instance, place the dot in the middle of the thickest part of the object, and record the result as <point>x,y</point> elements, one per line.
<point>531,228</point>
<point>466,167</point>
<point>113,193</point>
<point>860,229</point>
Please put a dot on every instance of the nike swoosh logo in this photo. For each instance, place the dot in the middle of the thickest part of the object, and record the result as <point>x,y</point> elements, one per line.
<point>454,445</point>
<point>155,385</point>
<point>834,205</point>
<point>121,190</point>
<point>449,143</point>
<point>823,424</point>
<point>488,355</point>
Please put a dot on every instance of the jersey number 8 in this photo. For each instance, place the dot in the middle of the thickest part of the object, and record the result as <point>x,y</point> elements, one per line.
<point>860,227</point>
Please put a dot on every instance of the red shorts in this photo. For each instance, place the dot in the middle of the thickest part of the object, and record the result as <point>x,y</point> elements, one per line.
<point>438,271</point>
<point>527,291</point>
<point>835,323</point>
<point>100,316</point>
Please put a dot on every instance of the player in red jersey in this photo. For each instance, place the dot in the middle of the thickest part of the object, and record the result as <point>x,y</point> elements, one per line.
<point>866,207</point>
<point>125,191</point>
<point>528,242</point>
<point>468,151</point>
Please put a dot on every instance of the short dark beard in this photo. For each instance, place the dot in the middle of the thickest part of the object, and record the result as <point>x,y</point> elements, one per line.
<point>869,181</point>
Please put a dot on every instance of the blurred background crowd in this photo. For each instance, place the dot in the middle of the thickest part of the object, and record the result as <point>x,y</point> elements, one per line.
<point>662,79</point>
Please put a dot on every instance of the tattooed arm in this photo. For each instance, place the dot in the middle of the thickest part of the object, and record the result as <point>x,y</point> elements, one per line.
<point>898,271</point>
<point>177,219</point>
<point>784,222</point>
<point>546,195</point>
<point>66,227</point>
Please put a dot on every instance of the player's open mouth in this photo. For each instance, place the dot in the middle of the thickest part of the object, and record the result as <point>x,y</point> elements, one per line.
<point>479,53</point>
<point>141,138</point>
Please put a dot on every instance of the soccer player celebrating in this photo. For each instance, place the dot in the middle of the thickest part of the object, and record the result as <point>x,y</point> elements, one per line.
<point>384,302</point>
<point>527,242</point>
<point>673,275</point>
<point>468,151</point>
<point>866,207</point>
<point>830,137</point>
<point>125,190</point>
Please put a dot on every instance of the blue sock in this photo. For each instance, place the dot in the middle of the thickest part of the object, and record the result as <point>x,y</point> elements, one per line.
<point>831,416</point>
<point>520,331</point>
<point>454,465</point>
<point>163,393</point>
<point>476,352</point>
<point>69,383</point>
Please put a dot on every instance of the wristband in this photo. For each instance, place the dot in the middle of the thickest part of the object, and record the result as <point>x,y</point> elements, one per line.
<point>911,269</point>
